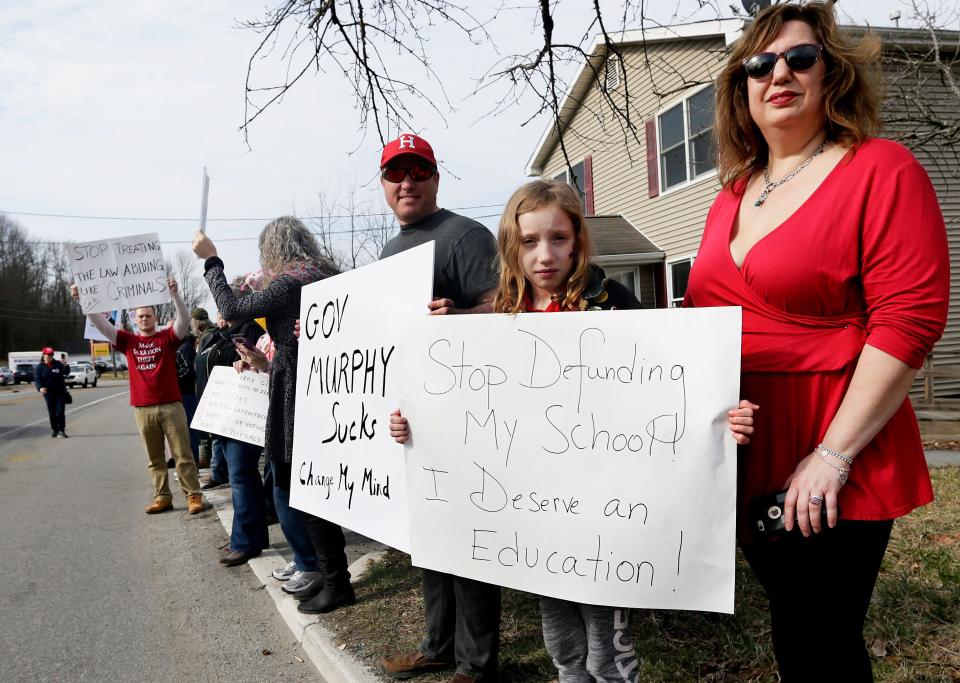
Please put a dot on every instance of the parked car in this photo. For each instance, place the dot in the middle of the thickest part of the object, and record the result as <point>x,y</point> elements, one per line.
<point>81,373</point>
<point>6,376</point>
<point>23,373</point>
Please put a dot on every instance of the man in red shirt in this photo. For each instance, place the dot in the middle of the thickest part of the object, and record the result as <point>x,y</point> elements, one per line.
<point>155,396</point>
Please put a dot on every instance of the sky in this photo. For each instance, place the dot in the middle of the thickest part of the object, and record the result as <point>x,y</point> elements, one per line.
<point>111,108</point>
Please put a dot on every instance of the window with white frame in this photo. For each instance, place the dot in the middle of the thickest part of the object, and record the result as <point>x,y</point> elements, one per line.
<point>678,275</point>
<point>685,139</point>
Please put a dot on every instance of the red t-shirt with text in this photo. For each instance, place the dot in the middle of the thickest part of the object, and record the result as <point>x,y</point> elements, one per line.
<point>153,366</point>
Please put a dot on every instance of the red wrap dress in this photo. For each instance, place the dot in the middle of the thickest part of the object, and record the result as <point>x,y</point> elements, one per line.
<point>863,261</point>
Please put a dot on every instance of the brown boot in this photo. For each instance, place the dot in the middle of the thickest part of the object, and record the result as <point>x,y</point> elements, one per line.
<point>159,505</point>
<point>195,504</point>
<point>411,664</point>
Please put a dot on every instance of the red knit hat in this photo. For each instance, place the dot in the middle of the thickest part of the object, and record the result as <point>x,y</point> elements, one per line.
<point>408,143</point>
<point>47,350</point>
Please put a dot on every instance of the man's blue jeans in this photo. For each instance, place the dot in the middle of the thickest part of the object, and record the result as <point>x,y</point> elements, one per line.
<point>249,533</point>
<point>292,523</point>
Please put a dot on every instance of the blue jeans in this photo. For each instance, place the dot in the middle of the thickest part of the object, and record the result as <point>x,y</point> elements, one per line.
<point>56,409</point>
<point>249,533</point>
<point>190,407</point>
<point>292,524</point>
<point>218,463</point>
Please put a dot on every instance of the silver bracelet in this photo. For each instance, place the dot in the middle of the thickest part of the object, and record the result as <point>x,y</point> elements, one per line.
<point>836,454</point>
<point>841,472</point>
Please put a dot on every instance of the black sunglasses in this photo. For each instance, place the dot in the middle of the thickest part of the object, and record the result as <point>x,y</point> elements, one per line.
<point>417,173</point>
<point>798,58</point>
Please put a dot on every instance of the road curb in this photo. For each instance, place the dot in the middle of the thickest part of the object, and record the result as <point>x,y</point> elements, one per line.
<point>334,664</point>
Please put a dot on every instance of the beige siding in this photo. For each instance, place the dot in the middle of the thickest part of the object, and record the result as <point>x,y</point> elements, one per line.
<point>674,222</point>
<point>943,166</point>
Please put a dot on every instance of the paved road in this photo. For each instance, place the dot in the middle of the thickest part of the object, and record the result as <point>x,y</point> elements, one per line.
<point>92,588</point>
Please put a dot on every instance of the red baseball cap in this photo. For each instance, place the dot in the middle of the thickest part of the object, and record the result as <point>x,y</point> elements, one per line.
<point>47,350</point>
<point>408,143</point>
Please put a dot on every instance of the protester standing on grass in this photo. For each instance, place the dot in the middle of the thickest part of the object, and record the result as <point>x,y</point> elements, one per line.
<point>544,255</point>
<point>833,243</point>
<point>291,254</point>
<point>463,615</point>
<point>155,396</point>
<point>49,378</point>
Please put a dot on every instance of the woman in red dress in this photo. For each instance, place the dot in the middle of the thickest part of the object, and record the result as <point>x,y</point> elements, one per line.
<point>833,243</point>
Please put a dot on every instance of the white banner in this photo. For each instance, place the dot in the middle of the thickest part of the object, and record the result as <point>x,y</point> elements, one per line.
<point>584,456</point>
<point>234,404</point>
<point>346,468</point>
<point>121,272</point>
<point>91,332</point>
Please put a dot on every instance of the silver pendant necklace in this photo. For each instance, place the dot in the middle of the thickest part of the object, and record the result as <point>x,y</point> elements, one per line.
<point>771,185</point>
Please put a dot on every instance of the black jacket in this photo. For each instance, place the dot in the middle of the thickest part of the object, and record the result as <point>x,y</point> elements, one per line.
<point>604,294</point>
<point>186,372</point>
<point>52,377</point>
<point>217,349</point>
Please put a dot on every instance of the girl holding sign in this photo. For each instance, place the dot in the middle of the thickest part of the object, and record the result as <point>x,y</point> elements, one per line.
<point>545,266</point>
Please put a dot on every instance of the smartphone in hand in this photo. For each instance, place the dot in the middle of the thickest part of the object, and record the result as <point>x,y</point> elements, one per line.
<point>240,340</point>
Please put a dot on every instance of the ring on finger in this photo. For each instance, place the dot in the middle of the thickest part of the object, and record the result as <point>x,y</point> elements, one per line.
<point>816,500</point>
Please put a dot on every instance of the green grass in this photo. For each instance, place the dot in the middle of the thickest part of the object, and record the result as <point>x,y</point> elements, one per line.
<point>913,629</point>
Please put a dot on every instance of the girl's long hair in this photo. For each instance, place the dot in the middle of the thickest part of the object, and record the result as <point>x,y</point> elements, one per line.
<point>514,288</point>
<point>851,91</point>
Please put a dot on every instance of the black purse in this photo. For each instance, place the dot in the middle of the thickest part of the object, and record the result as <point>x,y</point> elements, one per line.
<point>67,398</point>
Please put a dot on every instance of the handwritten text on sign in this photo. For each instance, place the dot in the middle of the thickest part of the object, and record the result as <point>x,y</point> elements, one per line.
<point>123,272</point>
<point>234,405</point>
<point>346,468</point>
<point>583,456</point>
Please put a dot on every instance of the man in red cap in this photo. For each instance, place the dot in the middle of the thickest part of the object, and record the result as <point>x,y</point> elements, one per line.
<point>49,378</point>
<point>463,615</point>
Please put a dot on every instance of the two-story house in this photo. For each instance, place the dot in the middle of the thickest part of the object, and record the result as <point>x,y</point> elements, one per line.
<point>658,176</point>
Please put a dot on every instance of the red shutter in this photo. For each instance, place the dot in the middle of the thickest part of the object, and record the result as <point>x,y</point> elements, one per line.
<point>653,176</point>
<point>588,185</point>
<point>660,282</point>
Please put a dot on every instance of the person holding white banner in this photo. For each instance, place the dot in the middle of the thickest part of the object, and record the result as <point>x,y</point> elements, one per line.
<point>289,252</point>
<point>544,251</point>
<point>462,615</point>
<point>155,396</point>
<point>833,243</point>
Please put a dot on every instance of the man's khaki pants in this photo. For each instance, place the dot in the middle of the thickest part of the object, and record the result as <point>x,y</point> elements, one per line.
<point>168,420</point>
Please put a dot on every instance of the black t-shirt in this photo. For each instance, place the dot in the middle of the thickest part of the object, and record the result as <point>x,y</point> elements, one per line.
<point>465,260</point>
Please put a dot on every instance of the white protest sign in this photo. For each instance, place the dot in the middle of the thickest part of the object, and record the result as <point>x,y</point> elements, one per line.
<point>346,467</point>
<point>234,404</point>
<point>204,195</point>
<point>91,332</point>
<point>584,456</point>
<point>122,272</point>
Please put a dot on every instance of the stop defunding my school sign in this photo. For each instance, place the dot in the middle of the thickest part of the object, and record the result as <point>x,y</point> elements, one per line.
<point>120,272</point>
<point>346,467</point>
<point>584,456</point>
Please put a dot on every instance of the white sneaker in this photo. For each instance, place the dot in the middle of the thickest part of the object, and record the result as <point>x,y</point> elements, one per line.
<point>284,573</point>
<point>299,581</point>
